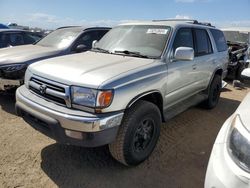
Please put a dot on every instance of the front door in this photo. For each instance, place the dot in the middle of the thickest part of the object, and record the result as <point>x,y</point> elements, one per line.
<point>181,74</point>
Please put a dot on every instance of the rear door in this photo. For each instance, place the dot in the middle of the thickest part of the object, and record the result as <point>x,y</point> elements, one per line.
<point>221,48</point>
<point>204,58</point>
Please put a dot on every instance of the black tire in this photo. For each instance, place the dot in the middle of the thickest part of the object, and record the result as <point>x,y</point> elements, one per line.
<point>134,143</point>
<point>238,73</point>
<point>213,93</point>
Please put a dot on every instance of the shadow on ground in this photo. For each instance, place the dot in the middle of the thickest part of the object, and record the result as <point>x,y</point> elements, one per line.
<point>7,102</point>
<point>179,160</point>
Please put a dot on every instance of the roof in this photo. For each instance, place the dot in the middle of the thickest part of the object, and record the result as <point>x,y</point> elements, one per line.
<point>171,23</point>
<point>13,30</point>
<point>81,28</point>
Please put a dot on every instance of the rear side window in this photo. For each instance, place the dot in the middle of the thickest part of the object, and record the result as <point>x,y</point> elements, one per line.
<point>202,42</point>
<point>183,38</point>
<point>4,40</point>
<point>219,39</point>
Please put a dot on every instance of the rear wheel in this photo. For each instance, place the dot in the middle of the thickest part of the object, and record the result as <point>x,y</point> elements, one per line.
<point>138,134</point>
<point>238,72</point>
<point>213,93</point>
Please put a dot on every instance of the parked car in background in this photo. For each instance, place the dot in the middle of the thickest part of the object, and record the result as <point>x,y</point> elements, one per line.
<point>63,41</point>
<point>229,163</point>
<point>238,41</point>
<point>16,37</point>
<point>16,26</point>
<point>2,26</point>
<point>136,77</point>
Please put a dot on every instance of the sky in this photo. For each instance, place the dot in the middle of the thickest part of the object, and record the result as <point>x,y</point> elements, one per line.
<point>50,14</point>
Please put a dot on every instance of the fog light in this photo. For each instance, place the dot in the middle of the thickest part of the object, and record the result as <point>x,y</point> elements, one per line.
<point>74,134</point>
<point>111,122</point>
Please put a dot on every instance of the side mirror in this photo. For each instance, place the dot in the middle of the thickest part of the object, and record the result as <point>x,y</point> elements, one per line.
<point>245,74</point>
<point>184,54</point>
<point>81,48</point>
<point>94,43</point>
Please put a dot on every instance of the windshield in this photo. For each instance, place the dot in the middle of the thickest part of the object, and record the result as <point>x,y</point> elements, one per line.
<point>60,38</point>
<point>236,36</point>
<point>145,40</point>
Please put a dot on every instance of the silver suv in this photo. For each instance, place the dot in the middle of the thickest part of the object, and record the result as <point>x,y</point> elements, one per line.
<point>136,77</point>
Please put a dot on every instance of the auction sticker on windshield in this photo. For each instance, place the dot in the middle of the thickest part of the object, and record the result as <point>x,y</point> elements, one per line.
<point>157,31</point>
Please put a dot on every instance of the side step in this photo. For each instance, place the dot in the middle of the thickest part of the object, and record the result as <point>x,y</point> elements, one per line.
<point>178,108</point>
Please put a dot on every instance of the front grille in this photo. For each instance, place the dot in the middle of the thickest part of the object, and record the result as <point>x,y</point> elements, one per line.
<point>49,85</point>
<point>51,91</point>
<point>50,97</point>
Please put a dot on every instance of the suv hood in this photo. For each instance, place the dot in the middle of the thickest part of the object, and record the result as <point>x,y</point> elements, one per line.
<point>89,69</point>
<point>25,53</point>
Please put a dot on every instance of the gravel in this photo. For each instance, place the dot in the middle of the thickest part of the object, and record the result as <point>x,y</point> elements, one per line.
<point>30,159</point>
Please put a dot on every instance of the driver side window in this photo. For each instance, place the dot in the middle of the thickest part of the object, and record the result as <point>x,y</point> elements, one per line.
<point>86,39</point>
<point>183,38</point>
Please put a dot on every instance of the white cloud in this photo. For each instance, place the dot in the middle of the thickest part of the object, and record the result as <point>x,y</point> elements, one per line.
<point>48,21</point>
<point>37,17</point>
<point>182,17</point>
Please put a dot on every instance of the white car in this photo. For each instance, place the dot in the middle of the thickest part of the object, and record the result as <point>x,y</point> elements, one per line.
<point>229,164</point>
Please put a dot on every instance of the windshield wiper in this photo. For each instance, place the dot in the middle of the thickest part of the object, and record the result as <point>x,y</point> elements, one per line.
<point>130,53</point>
<point>100,50</point>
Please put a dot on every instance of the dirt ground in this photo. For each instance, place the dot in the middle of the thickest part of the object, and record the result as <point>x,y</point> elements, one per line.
<point>29,159</point>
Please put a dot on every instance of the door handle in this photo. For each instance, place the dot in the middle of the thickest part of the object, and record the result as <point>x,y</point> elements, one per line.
<point>194,66</point>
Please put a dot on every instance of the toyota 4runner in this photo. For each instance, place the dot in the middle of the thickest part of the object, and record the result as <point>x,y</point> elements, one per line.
<point>136,77</point>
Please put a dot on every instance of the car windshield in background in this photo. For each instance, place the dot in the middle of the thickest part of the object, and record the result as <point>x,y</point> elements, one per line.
<point>135,40</point>
<point>236,36</point>
<point>60,38</point>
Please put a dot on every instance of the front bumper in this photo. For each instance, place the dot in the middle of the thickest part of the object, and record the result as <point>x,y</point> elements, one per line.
<point>222,172</point>
<point>6,84</point>
<point>65,125</point>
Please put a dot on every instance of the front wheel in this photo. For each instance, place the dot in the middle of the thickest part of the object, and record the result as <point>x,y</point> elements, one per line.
<point>213,93</point>
<point>138,134</point>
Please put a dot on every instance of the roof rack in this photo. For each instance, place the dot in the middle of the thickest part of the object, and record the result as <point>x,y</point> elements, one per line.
<point>68,26</point>
<point>178,20</point>
<point>186,20</point>
<point>206,23</point>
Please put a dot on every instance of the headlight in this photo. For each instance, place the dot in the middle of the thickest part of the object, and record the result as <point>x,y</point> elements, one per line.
<point>13,67</point>
<point>239,144</point>
<point>91,97</point>
<point>27,77</point>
